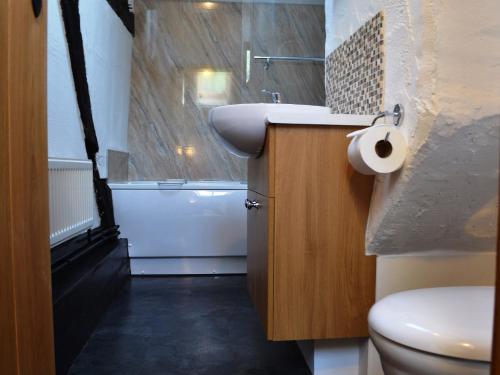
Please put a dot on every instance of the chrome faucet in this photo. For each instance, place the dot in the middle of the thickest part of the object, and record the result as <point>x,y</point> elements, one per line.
<point>275,96</point>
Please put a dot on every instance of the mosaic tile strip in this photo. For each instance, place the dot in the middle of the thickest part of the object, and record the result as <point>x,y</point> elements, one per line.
<point>354,72</point>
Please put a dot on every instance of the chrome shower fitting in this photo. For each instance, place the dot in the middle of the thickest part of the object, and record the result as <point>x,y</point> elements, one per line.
<point>397,115</point>
<point>267,63</point>
<point>275,95</point>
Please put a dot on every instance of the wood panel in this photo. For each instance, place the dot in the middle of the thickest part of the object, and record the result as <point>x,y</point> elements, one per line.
<point>260,258</point>
<point>26,335</point>
<point>261,169</point>
<point>8,354</point>
<point>324,284</point>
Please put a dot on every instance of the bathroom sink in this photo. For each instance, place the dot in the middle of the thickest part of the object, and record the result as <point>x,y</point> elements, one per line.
<point>241,128</point>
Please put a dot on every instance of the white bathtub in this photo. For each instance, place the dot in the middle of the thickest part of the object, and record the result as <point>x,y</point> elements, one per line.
<point>177,227</point>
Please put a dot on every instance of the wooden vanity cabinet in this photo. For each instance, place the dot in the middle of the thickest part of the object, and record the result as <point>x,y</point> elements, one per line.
<point>308,275</point>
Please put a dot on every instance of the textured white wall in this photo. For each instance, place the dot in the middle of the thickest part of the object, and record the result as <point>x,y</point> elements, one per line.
<point>65,132</point>
<point>442,65</point>
<point>108,54</point>
<point>108,57</point>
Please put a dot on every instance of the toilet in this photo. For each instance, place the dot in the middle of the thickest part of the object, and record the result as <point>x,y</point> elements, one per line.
<point>436,331</point>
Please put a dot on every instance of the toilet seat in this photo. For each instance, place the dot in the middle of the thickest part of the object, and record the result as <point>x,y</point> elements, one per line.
<point>454,321</point>
<point>397,359</point>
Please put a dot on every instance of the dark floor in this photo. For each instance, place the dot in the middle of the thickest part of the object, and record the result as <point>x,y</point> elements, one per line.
<point>185,326</point>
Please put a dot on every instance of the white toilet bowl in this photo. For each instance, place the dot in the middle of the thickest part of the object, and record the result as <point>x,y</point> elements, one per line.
<point>437,331</point>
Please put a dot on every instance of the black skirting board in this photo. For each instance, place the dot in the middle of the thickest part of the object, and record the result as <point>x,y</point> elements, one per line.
<point>82,296</point>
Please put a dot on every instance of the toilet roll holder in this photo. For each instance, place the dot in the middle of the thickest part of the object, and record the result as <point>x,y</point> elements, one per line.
<point>396,114</point>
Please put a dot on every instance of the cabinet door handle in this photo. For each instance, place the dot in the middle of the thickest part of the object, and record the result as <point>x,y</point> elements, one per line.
<point>252,204</point>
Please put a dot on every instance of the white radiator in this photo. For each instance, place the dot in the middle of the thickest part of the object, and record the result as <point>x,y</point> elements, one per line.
<point>71,198</point>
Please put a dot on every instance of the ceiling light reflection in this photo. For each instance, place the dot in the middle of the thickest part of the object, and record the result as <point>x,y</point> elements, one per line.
<point>188,151</point>
<point>208,5</point>
<point>209,193</point>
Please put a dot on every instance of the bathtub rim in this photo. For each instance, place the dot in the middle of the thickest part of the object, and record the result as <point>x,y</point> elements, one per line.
<point>178,185</point>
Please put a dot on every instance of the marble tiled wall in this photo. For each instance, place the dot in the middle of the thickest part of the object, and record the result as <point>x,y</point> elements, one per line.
<point>355,71</point>
<point>190,56</point>
<point>117,166</point>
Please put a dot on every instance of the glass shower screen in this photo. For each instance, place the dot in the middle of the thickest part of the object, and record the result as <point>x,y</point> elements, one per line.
<point>189,56</point>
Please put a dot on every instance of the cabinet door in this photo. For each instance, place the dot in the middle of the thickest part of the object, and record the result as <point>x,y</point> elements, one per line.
<point>260,223</point>
<point>324,284</point>
<point>261,169</point>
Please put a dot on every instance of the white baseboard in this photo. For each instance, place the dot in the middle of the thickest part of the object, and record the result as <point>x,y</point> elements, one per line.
<point>188,266</point>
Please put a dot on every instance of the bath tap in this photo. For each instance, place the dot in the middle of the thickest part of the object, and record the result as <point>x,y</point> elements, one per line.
<point>275,95</point>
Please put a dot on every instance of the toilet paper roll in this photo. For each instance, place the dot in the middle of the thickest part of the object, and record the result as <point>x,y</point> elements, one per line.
<point>380,149</point>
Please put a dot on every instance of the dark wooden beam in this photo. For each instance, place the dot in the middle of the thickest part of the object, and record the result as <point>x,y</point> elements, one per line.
<point>122,10</point>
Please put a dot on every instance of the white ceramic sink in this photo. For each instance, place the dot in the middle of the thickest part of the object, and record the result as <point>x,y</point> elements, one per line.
<point>242,127</point>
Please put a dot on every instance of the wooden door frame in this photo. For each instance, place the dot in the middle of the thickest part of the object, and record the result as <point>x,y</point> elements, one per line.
<point>495,367</point>
<point>26,327</point>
